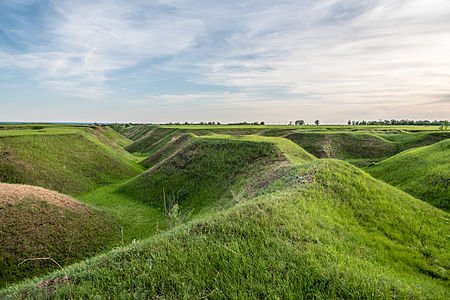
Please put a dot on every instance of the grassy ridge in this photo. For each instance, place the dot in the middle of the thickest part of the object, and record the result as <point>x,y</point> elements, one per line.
<point>39,227</point>
<point>360,145</point>
<point>145,143</point>
<point>405,140</point>
<point>356,147</point>
<point>113,136</point>
<point>423,172</point>
<point>207,171</point>
<point>175,144</point>
<point>324,230</point>
<point>68,163</point>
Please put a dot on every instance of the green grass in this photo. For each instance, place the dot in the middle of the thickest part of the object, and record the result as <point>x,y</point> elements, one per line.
<point>149,140</point>
<point>324,230</point>
<point>422,172</point>
<point>36,228</point>
<point>68,163</point>
<point>291,151</point>
<point>406,140</point>
<point>114,136</point>
<point>357,148</point>
<point>41,130</point>
<point>210,171</point>
<point>137,219</point>
<point>167,149</point>
<point>264,219</point>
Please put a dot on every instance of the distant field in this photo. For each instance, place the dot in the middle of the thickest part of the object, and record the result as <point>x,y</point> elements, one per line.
<point>219,211</point>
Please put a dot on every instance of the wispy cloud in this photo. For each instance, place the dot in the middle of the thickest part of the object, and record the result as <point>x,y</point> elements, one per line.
<point>343,55</point>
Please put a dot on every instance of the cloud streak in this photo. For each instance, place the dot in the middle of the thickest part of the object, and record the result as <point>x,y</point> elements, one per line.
<point>305,55</point>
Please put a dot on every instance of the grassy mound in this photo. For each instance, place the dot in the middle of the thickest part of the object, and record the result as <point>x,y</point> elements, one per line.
<point>212,169</point>
<point>68,163</point>
<point>113,137</point>
<point>422,172</point>
<point>149,140</point>
<point>36,222</point>
<point>325,230</point>
<point>406,140</point>
<point>175,144</point>
<point>357,148</point>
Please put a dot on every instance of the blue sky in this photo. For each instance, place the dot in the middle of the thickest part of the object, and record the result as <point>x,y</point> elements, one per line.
<point>228,61</point>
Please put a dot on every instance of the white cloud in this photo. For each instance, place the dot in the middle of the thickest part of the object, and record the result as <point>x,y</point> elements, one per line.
<point>350,55</point>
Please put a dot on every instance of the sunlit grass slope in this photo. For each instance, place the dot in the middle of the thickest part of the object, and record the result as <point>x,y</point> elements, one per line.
<point>36,222</point>
<point>324,230</point>
<point>213,170</point>
<point>172,146</point>
<point>357,148</point>
<point>152,137</point>
<point>423,172</point>
<point>71,163</point>
<point>406,140</point>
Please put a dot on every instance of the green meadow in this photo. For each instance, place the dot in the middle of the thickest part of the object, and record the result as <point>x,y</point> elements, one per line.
<point>224,212</point>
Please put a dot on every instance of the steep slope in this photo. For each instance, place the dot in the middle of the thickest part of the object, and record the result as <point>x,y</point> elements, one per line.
<point>150,139</point>
<point>324,230</point>
<point>176,143</point>
<point>357,148</point>
<point>212,170</point>
<point>69,163</point>
<point>36,222</point>
<point>113,136</point>
<point>422,172</point>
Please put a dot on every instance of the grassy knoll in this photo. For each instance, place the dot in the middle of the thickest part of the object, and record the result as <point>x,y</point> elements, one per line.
<point>114,136</point>
<point>406,140</point>
<point>324,230</point>
<point>151,138</point>
<point>167,149</point>
<point>70,163</point>
<point>36,222</point>
<point>423,172</point>
<point>359,145</point>
<point>359,148</point>
<point>209,171</point>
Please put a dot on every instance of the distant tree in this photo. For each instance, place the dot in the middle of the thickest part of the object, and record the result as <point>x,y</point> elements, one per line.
<point>316,122</point>
<point>349,122</point>
<point>363,122</point>
<point>290,122</point>
<point>299,122</point>
<point>262,123</point>
<point>353,122</point>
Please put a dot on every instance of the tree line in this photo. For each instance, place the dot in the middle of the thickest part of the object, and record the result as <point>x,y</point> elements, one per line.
<point>399,122</point>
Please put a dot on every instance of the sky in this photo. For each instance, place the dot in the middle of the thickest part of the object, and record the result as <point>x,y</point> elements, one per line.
<point>227,61</point>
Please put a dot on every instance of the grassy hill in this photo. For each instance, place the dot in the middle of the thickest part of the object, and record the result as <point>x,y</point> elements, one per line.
<point>212,169</point>
<point>228,216</point>
<point>172,146</point>
<point>406,140</point>
<point>36,222</point>
<point>358,148</point>
<point>323,230</point>
<point>422,172</point>
<point>72,161</point>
